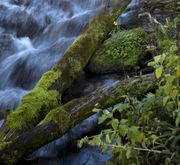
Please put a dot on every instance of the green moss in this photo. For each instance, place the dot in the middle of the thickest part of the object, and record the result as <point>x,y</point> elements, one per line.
<point>48,79</point>
<point>3,145</point>
<point>171,6</point>
<point>11,158</point>
<point>78,54</point>
<point>60,116</point>
<point>123,50</point>
<point>137,87</point>
<point>35,104</point>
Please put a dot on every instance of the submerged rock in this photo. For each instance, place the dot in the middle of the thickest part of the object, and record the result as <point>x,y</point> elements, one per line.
<point>123,51</point>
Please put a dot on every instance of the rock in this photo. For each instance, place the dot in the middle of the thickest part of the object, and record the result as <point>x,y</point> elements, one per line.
<point>3,113</point>
<point>7,45</point>
<point>86,84</point>
<point>121,52</point>
<point>23,23</point>
<point>147,14</point>
<point>130,15</point>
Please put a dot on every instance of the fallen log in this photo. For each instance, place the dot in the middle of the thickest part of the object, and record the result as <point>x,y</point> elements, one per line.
<point>61,119</point>
<point>47,93</point>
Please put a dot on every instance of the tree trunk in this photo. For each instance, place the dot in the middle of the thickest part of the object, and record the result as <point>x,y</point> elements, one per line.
<point>61,119</point>
<point>47,93</point>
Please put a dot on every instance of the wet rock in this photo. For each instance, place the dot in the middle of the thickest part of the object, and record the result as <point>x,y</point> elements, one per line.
<point>121,52</point>
<point>21,2</point>
<point>130,15</point>
<point>18,19</point>
<point>148,14</point>
<point>7,45</point>
<point>85,84</point>
<point>3,113</point>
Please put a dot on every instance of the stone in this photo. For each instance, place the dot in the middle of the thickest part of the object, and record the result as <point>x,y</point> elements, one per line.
<point>121,52</point>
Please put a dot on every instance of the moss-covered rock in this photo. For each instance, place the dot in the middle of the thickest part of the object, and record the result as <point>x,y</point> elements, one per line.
<point>123,51</point>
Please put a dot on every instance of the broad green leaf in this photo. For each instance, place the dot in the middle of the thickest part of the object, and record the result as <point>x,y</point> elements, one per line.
<point>178,73</point>
<point>128,153</point>
<point>174,93</point>
<point>165,100</point>
<point>158,72</point>
<point>123,130</point>
<point>102,119</point>
<point>115,123</point>
<point>97,140</point>
<point>80,143</point>
<point>172,59</point>
<point>123,121</point>
<point>151,63</point>
<point>170,78</point>
<point>96,110</point>
<point>108,140</point>
<point>157,58</point>
<point>167,89</point>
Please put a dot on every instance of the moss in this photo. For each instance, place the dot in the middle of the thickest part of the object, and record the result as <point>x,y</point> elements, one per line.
<point>35,104</point>
<point>171,6</point>
<point>121,51</point>
<point>48,79</point>
<point>137,87</point>
<point>60,116</point>
<point>78,54</point>
<point>3,145</point>
<point>11,158</point>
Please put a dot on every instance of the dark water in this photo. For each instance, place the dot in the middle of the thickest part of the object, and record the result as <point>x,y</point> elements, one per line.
<point>34,34</point>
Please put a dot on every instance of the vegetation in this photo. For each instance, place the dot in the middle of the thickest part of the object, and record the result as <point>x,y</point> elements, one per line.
<point>146,130</point>
<point>42,99</point>
<point>124,50</point>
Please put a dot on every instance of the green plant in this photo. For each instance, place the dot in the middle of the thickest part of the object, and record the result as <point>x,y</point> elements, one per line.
<point>146,130</point>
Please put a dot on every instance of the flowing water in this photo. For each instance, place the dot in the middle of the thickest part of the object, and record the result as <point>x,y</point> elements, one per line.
<point>34,34</point>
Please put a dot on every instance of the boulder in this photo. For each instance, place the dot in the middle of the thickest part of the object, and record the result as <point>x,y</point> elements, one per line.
<point>121,52</point>
<point>148,14</point>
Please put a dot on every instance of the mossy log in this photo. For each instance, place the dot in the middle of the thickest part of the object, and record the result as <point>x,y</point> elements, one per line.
<point>61,119</point>
<point>47,93</point>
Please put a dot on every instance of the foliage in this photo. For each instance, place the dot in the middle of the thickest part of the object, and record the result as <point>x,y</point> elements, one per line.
<point>147,130</point>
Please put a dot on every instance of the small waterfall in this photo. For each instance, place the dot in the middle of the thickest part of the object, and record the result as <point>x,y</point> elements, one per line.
<point>34,34</point>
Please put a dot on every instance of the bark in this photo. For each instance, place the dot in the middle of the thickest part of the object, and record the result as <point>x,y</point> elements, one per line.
<point>61,119</point>
<point>47,93</point>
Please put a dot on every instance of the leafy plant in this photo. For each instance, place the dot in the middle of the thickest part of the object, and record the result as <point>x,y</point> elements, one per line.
<point>146,130</point>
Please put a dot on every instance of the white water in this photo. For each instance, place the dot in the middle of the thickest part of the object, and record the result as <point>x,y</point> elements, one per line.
<point>34,35</point>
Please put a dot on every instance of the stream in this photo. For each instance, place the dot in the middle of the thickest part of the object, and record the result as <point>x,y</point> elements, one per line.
<point>34,34</point>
